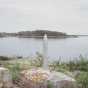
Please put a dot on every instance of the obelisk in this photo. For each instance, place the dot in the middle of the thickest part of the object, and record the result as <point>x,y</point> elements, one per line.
<point>45,52</point>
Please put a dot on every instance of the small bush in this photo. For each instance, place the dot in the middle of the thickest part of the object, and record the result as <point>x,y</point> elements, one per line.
<point>38,61</point>
<point>3,58</point>
<point>15,71</point>
<point>50,84</point>
<point>82,80</point>
<point>80,64</point>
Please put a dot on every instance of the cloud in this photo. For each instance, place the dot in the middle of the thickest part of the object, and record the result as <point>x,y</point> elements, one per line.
<point>84,8</point>
<point>62,15</point>
<point>7,15</point>
<point>42,13</point>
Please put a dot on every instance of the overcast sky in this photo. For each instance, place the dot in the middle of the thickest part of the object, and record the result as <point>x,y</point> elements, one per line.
<point>70,16</point>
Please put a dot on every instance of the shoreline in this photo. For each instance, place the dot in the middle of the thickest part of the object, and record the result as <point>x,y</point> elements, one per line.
<point>37,34</point>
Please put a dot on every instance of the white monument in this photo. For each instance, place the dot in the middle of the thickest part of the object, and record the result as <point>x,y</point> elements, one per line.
<point>45,52</point>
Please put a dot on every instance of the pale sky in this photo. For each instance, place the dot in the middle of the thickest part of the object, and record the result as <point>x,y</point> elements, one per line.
<point>70,16</point>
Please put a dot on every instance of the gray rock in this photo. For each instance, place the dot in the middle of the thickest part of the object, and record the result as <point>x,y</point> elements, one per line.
<point>5,78</point>
<point>60,80</point>
<point>76,73</point>
<point>56,79</point>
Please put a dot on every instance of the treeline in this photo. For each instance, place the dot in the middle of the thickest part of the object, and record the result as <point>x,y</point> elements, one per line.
<point>36,34</point>
<point>4,34</point>
<point>40,33</point>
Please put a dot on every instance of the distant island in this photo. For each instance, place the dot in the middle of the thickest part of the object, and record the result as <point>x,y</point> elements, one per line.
<point>37,34</point>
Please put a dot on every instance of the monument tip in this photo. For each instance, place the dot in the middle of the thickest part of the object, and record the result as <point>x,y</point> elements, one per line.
<point>45,36</point>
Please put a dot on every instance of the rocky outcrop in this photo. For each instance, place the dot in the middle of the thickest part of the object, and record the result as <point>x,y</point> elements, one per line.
<point>45,79</point>
<point>61,80</point>
<point>37,78</point>
<point>5,78</point>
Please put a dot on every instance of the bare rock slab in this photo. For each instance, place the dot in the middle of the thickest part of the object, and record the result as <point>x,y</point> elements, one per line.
<point>39,78</point>
<point>61,80</point>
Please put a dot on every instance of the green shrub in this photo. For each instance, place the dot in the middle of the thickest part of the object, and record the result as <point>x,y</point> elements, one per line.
<point>80,64</point>
<point>15,70</point>
<point>82,80</point>
<point>50,84</point>
<point>38,61</point>
<point>3,58</point>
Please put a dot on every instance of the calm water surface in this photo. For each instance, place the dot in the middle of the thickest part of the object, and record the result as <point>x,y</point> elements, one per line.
<point>66,48</point>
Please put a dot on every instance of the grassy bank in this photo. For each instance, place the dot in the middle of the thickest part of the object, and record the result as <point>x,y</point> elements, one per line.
<point>76,68</point>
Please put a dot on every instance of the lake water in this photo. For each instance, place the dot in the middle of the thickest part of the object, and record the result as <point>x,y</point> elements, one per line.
<point>68,48</point>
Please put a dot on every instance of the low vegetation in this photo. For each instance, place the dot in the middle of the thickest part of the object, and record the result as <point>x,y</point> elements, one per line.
<point>77,68</point>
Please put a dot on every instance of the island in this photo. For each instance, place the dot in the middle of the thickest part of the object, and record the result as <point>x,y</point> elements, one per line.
<point>37,34</point>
